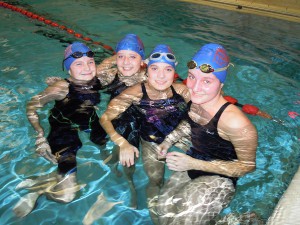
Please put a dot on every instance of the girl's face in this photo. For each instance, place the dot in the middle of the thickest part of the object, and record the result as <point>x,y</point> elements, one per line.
<point>203,87</point>
<point>160,75</point>
<point>128,62</point>
<point>83,69</point>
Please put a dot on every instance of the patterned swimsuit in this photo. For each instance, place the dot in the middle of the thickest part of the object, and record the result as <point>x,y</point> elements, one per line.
<point>160,117</point>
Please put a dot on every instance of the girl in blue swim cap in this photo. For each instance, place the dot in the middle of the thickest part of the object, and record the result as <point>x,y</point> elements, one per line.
<point>224,143</point>
<point>130,70</point>
<point>160,105</point>
<point>74,110</point>
<point>125,69</point>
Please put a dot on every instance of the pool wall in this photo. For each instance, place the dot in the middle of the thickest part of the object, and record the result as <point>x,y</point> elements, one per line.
<point>286,211</point>
<point>287,9</point>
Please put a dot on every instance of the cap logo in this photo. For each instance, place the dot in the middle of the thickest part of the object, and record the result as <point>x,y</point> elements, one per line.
<point>68,51</point>
<point>220,57</point>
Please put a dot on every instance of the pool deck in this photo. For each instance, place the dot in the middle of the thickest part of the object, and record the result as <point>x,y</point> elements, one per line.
<point>280,9</point>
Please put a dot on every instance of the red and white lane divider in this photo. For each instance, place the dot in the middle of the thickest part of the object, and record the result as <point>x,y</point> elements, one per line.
<point>54,24</point>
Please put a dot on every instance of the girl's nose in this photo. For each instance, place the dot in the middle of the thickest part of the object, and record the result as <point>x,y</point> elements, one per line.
<point>197,86</point>
<point>126,60</point>
<point>87,66</point>
<point>160,74</point>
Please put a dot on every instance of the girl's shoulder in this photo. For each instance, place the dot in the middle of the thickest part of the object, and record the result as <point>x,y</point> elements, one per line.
<point>179,87</point>
<point>182,90</point>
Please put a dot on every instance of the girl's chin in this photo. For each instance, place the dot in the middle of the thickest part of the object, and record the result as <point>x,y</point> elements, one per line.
<point>128,73</point>
<point>160,87</point>
<point>197,100</point>
<point>86,77</point>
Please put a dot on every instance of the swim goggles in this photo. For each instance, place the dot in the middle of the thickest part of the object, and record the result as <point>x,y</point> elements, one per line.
<point>205,68</point>
<point>158,55</point>
<point>78,55</point>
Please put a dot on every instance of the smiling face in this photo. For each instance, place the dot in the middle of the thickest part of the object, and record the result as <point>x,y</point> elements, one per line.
<point>128,62</point>
<point>83,69</point>
<point>203,87</point>
<point>160,75</point>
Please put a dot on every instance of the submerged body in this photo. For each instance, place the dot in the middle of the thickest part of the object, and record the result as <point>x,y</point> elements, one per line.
<point>74,110</point>
<point>118,73</point>
<point>160,106</point>
<point>223,148</point>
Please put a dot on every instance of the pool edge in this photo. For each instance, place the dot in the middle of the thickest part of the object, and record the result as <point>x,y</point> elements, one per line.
<point>284,12</point>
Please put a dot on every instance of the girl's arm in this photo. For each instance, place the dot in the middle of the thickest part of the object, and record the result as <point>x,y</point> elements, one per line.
<point>236,128</point>
<point>183,130</point>
<point>57,91</point>
<point>107,71</point>
<point>117,106</point>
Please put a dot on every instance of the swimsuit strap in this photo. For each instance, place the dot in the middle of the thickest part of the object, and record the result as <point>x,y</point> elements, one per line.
<point>67,80</point>
<point>145,95</point>
<point>218,114</point>
<point>116,79</point>
<point>173,90</point>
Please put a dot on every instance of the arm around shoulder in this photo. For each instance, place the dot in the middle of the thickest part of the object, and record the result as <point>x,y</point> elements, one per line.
<point>106,70</point>
<point>182,90</point>
<point>116,107</point>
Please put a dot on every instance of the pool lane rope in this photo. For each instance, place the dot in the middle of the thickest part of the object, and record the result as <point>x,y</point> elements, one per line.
<point>55,25</point>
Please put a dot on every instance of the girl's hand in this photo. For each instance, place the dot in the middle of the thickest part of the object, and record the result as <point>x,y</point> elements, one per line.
<point>127,153</point>
<point>162,150</point>
<point>178,161</point>
<point>44,150</point>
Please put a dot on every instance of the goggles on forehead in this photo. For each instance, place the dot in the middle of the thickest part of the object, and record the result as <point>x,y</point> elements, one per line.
<point>77,55</point>
<point>158,55</point>
<point>205,68</point>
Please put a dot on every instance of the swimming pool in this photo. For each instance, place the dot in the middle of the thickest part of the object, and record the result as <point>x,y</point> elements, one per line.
<point>265,52</point>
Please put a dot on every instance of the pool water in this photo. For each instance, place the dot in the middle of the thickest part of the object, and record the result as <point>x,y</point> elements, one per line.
<point>265,53</point>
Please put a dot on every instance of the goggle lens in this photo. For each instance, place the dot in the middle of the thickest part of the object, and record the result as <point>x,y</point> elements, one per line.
<point>192,64</point>
<point>206,68</point>
<point>155,55</point>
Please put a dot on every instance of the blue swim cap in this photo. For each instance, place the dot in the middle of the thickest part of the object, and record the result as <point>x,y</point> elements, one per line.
<point>216,56</point>
<point>131,42</point>
<point>74,47</point>
<point>166,56</point>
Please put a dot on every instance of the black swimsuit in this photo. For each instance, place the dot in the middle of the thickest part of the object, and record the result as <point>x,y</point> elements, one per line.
<point>125,124</point>
<point>207,145</point>
<point>75,112</point>
<point>160,117</point>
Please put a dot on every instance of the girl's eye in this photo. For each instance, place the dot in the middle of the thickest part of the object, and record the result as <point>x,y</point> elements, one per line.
<point>206,81</point>
<point>133,57</point>
<point>190,76</point>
